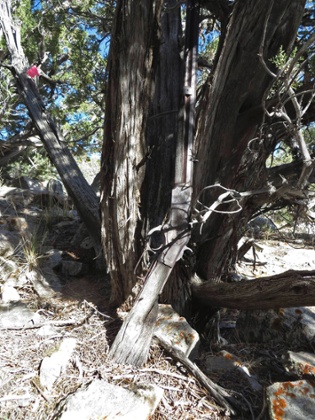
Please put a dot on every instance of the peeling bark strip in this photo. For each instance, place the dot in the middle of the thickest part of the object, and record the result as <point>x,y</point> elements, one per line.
<point>133,340</point>
<point>130,72</point>
<point>285,290</point>
<point>83,196</point>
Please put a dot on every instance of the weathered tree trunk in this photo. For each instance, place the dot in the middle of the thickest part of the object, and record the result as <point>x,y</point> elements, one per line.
<point>134,44</point>
<point>136,191</point>
<point>83,196</point>
<point>133,340</point>
<point>230,112</point>
<point>289,289</point>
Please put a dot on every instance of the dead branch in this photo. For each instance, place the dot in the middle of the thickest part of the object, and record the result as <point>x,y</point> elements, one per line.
<point>289,289</point>
<point>216,391</point>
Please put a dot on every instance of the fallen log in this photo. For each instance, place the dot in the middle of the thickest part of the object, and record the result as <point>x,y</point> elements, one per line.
<point>289,289</point>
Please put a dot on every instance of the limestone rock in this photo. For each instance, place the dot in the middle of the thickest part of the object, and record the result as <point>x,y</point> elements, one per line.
<point>8,243</point>
<point>55,258</point>
<point>293,325</point>
<point>176,331</point>
<point>226,362</point>
<point>100,400</point>
<point>16,279</point>
<point>28,183</point>
<point>74,268</point>
<point>45,282</point>
<point>291,400</point>
<point>9,294</point>
<point>17,198</point>
<point>7,267</point>
<point>52,367</point>
<point>17,315</point>
<point>301,364</point>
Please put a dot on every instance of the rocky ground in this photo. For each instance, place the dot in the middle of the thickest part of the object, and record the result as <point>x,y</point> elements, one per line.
<point>56,331</point>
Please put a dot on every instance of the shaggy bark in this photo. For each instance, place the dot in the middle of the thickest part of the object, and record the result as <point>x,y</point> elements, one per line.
<point>285,290</point>
<point>83,196</point>
<point>125,150</point>
<point>227,122</point>
<point>133,340</point>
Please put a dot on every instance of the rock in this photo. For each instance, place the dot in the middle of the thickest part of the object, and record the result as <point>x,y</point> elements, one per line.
<point>291,400</point>
<point>17,224</point>
<point>301,364</point>
<point>292,325</point>
<point>80,235</point>
<point>16,279</point>
<point>9,294</point>
<point>27,183</point>
<point>45,282</point>
<point>55,188</point>
<point>87,243</point>
<point>8,243</point>
<point>261,225</point>
<point>100,400</point>
<point>54,257</point>
<point>52,367</point>
<point>16,198</point>
<point>226,362</point>
<point>176,331</point>
<point>74,268</point>
<point>17,315</point>
<point>7,267</point>
<point>48,331</point>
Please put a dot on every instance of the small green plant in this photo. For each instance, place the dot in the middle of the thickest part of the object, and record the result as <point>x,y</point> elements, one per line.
<point>34,164</point>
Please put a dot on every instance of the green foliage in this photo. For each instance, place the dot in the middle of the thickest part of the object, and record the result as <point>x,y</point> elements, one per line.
<point>35,164</point>
<point>280,59</point>
<point>68,41</point>
<point>281,155</point>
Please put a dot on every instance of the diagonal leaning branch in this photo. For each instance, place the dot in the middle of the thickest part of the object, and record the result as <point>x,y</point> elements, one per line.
<point>83,196</point>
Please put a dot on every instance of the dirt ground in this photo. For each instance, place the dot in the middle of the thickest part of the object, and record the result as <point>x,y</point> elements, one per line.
<point>82,306</point>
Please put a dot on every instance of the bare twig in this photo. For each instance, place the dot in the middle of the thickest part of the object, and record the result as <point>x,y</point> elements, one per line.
<point>216,391</point>
<point>201,216</point>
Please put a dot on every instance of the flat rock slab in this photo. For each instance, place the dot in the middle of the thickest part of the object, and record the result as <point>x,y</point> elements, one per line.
<point>294,325</point>
<point>226,362</point>
<point>74,268</point>
<point>52,367</point>
<point>100,400</point>
<point>301,364</point>
<point>291,400</point>
<point>176,331</point>
<point>45,282</point>
<point>17,315</point>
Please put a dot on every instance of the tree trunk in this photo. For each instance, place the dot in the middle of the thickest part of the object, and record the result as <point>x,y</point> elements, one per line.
<point>125,150</point>
<point>289,289</point>
<point>133,340</point>
<point>230,112</point>
<point>83,196</point>
<point>139,152</point>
